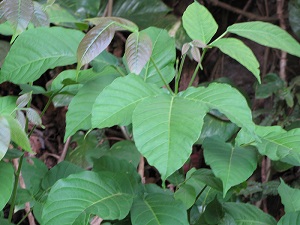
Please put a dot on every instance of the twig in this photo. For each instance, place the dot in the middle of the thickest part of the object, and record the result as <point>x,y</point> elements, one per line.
<point>65,149</point>
<point>283,57</point>
<point>241,12</point>
<point>23,186</point>
<point>141,169</point>
<point>244,10</point>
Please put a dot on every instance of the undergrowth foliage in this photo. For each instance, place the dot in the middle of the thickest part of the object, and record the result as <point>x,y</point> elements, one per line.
<point>134,93</point>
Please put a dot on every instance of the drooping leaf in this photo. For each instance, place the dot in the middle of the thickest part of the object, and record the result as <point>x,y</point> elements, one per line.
<point>6,182</point>
<point>237,50</point>
<point>232,165</point>
<point>39,17</point>
<point>18,13</point>
<point>61,170</point>
<point>33,116</point>
<point>290,218</point>
<point>23,100</point>
<point>158,209</point>
<point>18,135</point>
<point>199,23</point>
<point>7,104</point>
<point>28,60</point>
<point>115,104</point>
<point>225,99</point>
<point>164,60</point>
<point>138,50</point>
<point>87,149</point>
<point>246,214</point>
<point>289,197</point>
<point>72,200</point>
<point>80,109</point>
<point>268,35</point>
<point>207,177</point>
<point>165,128</point>
<point>4,136</point>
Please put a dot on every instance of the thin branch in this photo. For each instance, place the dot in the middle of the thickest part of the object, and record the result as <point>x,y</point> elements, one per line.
<point>241,12</point>
<point>283,56</point>
<point>65,150</point>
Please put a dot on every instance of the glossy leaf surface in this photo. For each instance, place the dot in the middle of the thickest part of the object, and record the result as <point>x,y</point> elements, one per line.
<point>199,23</point>
<point>71,200</point>
<point>237,50</point>
<point>267,34</point>
<point>165,128</point>
<point>28,60</point>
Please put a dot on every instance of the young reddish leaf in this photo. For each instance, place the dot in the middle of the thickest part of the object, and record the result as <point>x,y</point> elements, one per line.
<point>18,13</point>
<point>196,53</point>
<point>23,100</point>
<point>33,116</point>
<point>94,42</point>
<point>117,23</point>
<point>39,17</point>
<point>138,50</point>
<point>4,136</point>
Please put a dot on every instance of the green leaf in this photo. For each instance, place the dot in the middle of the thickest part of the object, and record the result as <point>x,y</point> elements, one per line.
<point>23,100</point>
<point>232,165</point>
<point>290,218</point>
<point>237,50</point>
<point>164,60</point>
<point>246,214</point>
<point>61,170</point>
<point>294,18</point>
<point>213,212</point>
<point>226,99</point>
<point>115,104</point>
<point>4,49</point>
<point>28,60</point>
<point>18,13</point>
<point>4,136</point>
<point>18,135</point>
<point>105,194</point>
<point>138,50</point>
<point>6,182</point>
<point>207,177</point>
<point>59,15</point>
<point>79,112</point>
<point>158,209</point>
<point>199,23</point>
<point>268,35</point>
<point>272,84</point>
<point>87,148</point>
<point>125,150</point>
<point>6,29</point>
<point>187,194</point>
<point>289,197</point>
<point>7,104</point>
<point>5,222</point>
<point>165,128</point>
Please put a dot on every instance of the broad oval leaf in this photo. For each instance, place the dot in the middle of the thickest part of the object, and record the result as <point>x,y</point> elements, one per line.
<point>268,35</point>
<point>80,109</point>
<point>28,60</point>
<point>289,197</point>
<point>237,50</point>
<point>18,13</point>
<point>4,136</point>
<point>233,165</point>
<point>164,60</point>
<point>290,218</point>
<point>199,23</point>
<point>6,182</point>
<point>118,24</point>
<point>158,209</point>
<point>72,200</point>
<point>246,214</point>
<point>165,128</point>
<point>187,194</point>
<point>225,99</point>
<point>33,116</point>
<point>138,50</point>
<point>115,104</point>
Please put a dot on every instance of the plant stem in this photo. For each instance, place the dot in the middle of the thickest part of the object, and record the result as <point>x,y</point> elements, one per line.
<point>177,78</point>
<point>161,76</point>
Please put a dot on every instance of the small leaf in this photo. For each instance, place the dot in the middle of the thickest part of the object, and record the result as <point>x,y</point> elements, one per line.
<point>138,50</point>
<point>185,48</point>
<point>39,17</point>
<point>20,117</point>
<point>4,136</point>
<point>196,54</point>
<point>237,50</point>
<point>18,13</point>
<point>158,209</point>
<point>233,165</point>
<point>23,100</point>
<point>6,182</point>
<point>166,137</point>
<point>115,104</point>
<point>246,214</point>
<point>225,99</point>
<point>289,197</point>
<point>290,218</point>
<point>28,60</point>
<point>199,23</point>
<point>7,104</point>
<point>105,194</point>
<point>268,35</point>
<point>33,116</point>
